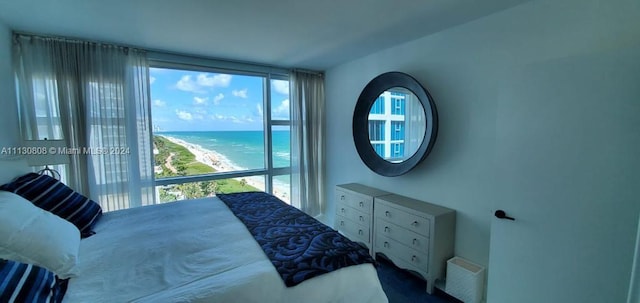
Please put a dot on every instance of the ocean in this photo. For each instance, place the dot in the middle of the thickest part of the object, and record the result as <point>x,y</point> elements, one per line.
<point>243,148</point>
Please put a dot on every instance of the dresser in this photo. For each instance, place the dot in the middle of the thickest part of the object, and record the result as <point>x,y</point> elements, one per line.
<point>354,212</point>
<point>415,235</point>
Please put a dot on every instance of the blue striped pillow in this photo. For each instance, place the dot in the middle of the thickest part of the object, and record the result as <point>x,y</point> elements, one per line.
<point>20,282</point>
<point>53,196</point>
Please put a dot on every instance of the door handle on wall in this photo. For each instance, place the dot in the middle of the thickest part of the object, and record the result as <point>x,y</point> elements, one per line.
<point>502,215</point>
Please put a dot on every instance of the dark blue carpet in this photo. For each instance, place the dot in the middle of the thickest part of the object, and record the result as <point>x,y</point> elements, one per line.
<point>401,286</point>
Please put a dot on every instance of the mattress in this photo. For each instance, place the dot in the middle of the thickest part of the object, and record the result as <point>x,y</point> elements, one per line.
<point>196,251</point>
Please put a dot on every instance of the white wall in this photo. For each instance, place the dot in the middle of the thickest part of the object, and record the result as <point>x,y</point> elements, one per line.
<point>9,136</point>
<point>466,69</point>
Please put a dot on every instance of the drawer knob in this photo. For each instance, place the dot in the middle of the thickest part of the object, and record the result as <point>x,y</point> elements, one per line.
<point>414,258</point>
<point>415,223</point>
<point>342,210</point>
<point>341,223</point>
<point>387,214</point>
<point>415,241</point>
<point>360,232</point>
<point>361,218</point>
<point>342,197</point>
<point>386,244</point>
<point>386,229</point>
<point>361,204</point>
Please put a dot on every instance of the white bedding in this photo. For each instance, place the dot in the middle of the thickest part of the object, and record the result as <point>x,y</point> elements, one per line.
<point>196,251</point>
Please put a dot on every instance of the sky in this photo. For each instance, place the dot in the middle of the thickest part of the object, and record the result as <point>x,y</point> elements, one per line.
<point>185,100</point>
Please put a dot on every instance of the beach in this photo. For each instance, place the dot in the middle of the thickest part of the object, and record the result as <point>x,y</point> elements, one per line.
<point>220,163</point>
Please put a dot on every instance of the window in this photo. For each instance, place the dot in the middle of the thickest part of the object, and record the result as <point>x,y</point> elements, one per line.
<point>219,132</point>
<point>398,130</point>
<point>378,106</point>
<point>398,103</point>
<point>376,130</point>
<point>397,150</point>
<point>379,148</point>
<point>218,126</point>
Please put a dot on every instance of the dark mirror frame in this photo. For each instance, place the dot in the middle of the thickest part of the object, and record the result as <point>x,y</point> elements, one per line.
<point>361,123</point>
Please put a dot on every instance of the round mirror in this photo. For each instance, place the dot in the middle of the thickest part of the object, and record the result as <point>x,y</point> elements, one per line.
<point>395,124</point>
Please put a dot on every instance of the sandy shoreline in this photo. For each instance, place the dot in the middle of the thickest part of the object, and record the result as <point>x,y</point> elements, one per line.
<point>221,163</point>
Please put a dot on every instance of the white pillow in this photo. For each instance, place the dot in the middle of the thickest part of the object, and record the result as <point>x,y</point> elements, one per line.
<point>32,235</point>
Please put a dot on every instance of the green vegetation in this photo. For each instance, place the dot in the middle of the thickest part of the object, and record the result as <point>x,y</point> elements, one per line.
<point>176,160</point>
<point>182,161</point>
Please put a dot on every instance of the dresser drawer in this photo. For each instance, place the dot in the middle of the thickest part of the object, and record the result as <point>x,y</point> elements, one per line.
<point>353,214</point>
<point>353,230</point>
<point>359,202</point>
<point>394,250</point>
<point>403,219</point>
<point>402,235</point>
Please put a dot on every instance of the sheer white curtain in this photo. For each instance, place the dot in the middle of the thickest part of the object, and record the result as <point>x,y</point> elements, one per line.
<point>307,141</point>
<point>95,97</point>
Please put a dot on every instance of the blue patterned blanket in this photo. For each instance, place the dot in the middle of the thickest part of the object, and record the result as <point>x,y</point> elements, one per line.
<point>299,246</point>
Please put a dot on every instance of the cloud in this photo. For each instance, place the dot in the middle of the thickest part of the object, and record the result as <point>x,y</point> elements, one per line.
<point>217,80</point>
<point>199,100</point>
<point>159,103</point>
<point>280,86</point>
<point>186,84</point>
<point>244,119</point>
<point>202,82</point>
<point>259,109</point>
<point>240,93</point>
<point>184,115</point>
<point>218,98</point>
<point>282,110</point>
<point>152,79</point>
<point>217,117</point>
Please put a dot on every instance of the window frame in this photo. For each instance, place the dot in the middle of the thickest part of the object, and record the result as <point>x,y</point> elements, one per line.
<point>268,73</point>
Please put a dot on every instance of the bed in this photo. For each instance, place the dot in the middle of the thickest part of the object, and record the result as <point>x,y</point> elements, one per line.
<point>196,251</point>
